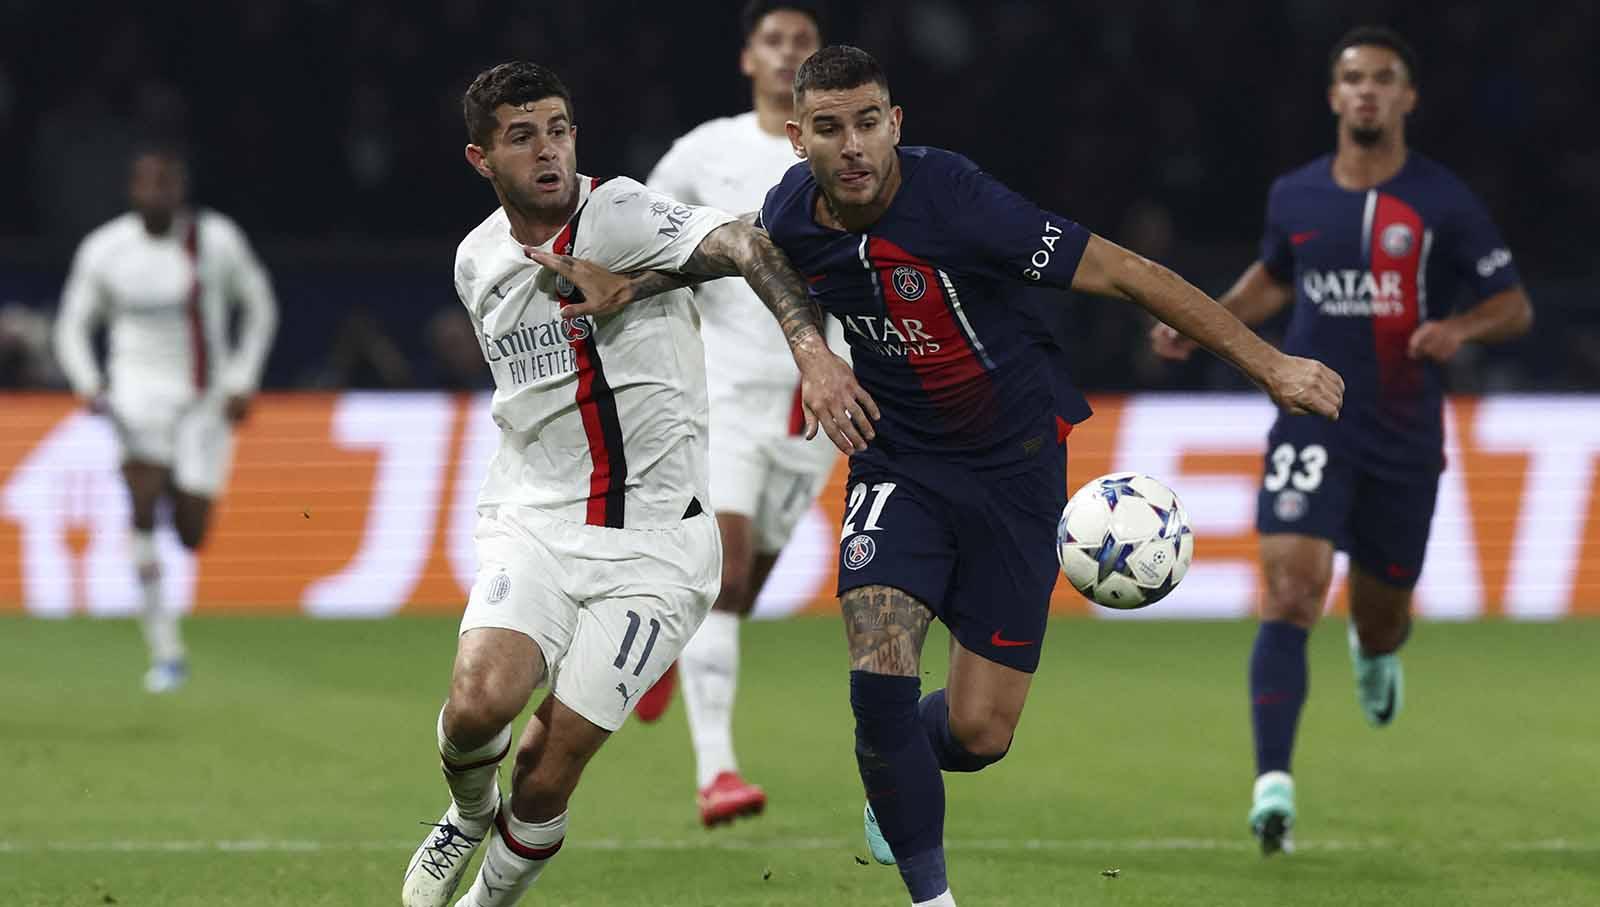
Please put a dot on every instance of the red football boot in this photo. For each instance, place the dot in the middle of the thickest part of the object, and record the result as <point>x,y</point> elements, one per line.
<point>653,704</point>
<point>729,797</point>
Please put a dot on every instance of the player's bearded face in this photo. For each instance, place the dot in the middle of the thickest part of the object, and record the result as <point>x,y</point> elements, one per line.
<point>849,138</point>
<point>534,159</point>
<point>1371,93</point>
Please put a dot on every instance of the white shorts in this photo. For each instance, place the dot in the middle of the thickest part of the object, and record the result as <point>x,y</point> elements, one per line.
<point>761,471</point>
<point>192,437</point>
<point>609,608</point>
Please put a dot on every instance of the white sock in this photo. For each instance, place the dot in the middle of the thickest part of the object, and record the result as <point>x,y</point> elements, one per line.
<point>709,667</point>
<point>943,900</point>
<point>160,626</point>
<point>513,858</point>
<point>473,776</point>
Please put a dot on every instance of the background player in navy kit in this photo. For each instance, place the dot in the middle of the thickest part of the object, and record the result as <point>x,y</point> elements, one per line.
<point>1373,245</point>
<point>953,502</point>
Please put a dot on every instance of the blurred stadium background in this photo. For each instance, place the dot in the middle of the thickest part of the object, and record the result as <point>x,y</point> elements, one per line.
<point>330,130</point>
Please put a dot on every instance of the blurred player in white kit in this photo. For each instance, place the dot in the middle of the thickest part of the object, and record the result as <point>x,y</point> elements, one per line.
<point>597,557</point>
<point>163,278</point>
<point>764,473</point>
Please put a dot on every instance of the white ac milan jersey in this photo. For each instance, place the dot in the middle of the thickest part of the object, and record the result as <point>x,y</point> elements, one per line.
<point>729,164</point>
<point>602,422</point>
<point>165,298</point>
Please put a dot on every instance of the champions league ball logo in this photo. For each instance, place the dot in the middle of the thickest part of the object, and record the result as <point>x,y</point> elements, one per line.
<point>859,550</point>
<point>1397,240</point>
<point>909,283</point>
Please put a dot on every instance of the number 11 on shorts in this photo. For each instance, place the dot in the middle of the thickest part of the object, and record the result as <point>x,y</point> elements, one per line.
<point>634,620</point>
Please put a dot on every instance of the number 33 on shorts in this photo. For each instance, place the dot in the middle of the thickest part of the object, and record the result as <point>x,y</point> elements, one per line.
<point>1303,471</point>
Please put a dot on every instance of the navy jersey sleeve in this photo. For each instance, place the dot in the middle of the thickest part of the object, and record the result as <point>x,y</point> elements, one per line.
<point>1277,253</point>
<point>1010,237</point>
<point>1477,251</point>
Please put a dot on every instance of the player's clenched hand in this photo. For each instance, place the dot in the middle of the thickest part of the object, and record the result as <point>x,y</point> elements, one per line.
<point>1436,340</point>
<point>833,401</point>
<point>1305,386</point>
<point>604,293</point>
<point>1169,344</point>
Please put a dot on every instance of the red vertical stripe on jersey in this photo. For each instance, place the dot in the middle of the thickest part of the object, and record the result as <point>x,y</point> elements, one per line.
<point>197,325</point>
<point>922,314</point>
<point>1396,248</point>
<point>797,414</point>
<point>597,406</point>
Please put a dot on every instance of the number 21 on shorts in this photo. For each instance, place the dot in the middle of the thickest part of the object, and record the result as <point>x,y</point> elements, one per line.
<point>1304,471</point>
<point>858,496</point>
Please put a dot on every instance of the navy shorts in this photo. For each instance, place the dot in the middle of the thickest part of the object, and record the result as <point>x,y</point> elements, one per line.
<point>978,549</point>
<point>1315,484</point>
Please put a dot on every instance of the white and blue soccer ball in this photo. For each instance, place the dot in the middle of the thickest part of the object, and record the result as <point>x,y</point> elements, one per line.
<point>1124,541</point>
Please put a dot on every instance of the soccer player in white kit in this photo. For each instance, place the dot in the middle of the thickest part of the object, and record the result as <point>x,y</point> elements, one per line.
<point>764,475</point>
<point>163,277</point>
<point>597,559</point>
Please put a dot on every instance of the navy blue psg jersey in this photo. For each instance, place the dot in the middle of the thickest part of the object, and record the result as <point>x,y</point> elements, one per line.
<point>1367,268</point>
<point>928,297</point>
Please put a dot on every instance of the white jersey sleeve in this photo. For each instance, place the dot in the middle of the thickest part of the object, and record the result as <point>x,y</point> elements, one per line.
<point>627,227</point>
<point>83,305</point>
<point>249,288</point>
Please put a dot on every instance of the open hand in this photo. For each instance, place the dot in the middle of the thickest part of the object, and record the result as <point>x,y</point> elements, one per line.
<point>1302,386</point>
<point>833,401</point>
<point>604,293</point>
<point>1436,340</point>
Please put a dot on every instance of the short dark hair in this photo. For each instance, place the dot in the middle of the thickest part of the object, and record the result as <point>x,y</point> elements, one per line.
<point>838,67</point>
<point>1375,36</point>
<point>756,10</point>
<point>515,83</point>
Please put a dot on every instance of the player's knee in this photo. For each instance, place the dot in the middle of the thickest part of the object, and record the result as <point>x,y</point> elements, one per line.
<point>480,704</point>
<point>192,533</point>
<point>985,737</point>
<point>1295,593</point>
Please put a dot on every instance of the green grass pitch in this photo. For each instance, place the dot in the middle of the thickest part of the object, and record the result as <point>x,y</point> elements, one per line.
<point>296,766</point>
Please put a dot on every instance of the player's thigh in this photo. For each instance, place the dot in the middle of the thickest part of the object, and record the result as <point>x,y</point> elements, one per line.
<point>147,484</point>
<point>191,516</point>
<point>644,594</point>
<point>799,469</point>
<point>1391,518</point>
<point>202,448</point>
<point>495,672</point>
<point>999,602</point>
<point>1303,514</point>
<point>985,699</point>
<point>885,627</point>
<point>523,589</point>
<point>737,531</point>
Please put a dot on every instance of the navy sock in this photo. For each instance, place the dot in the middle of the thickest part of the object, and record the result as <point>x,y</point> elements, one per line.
<point>953,757</point>
<point>901,777</point>
<point>1277,691</point>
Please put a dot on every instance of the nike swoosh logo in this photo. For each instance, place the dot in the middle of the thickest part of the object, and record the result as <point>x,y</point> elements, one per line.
<point>1305,237</point>
<point>1388,708</point>
<point>996,640</point>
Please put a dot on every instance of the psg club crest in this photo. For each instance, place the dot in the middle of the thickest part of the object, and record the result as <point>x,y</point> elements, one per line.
<point>499,588</point>
<point>858,551</point>
<point>1397,240</point>
<point>1290,505</point>
<point>909,283</point>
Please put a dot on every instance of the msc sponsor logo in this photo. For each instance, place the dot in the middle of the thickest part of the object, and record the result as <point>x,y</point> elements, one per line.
<point>1355,293</point>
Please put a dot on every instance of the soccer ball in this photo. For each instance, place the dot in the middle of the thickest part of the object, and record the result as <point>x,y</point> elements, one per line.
<point>1124,541</point>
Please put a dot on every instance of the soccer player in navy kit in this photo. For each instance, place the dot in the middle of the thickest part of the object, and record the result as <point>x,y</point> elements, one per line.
<point>1374,245</point>
<point>952,504</point>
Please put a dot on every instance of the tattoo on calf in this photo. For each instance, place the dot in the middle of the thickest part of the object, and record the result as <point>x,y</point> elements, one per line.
<point>886,628</point>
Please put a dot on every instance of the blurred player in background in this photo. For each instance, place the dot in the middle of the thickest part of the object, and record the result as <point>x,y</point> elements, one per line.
<point>764,474</point>
<point>1374,245</point>
<point>597,559</point>
<point>952,506</point>
<point>163,277</point>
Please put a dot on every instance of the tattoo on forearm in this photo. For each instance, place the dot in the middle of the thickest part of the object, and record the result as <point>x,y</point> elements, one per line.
<point>886,628</point>
<point>731,249</point>
<point>645,284</point>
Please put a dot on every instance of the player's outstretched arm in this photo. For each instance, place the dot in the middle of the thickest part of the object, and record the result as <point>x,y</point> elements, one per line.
<point>1253,298</point>
<point>1298,385</point>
